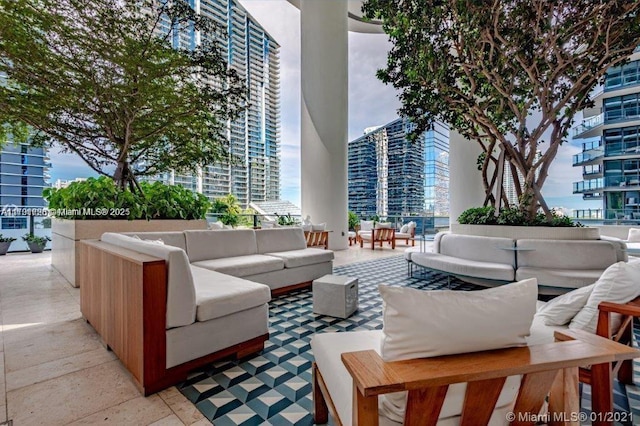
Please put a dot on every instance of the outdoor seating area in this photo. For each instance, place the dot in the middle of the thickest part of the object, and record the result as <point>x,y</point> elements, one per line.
<point>282,367</point>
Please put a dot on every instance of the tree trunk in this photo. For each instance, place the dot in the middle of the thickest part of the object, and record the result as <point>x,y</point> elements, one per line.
<point>124,177</point>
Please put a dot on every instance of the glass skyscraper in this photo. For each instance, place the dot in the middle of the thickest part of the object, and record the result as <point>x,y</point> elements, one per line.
<point>255,135</point>
<point>389,175</point>
<point>610,140</point>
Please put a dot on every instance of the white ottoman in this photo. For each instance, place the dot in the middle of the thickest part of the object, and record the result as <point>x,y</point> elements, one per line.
<point>335,296</point>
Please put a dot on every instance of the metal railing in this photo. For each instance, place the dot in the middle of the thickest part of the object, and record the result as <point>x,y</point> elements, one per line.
<point>588,185</point>
<point>584,157</point>
<point>588,124</point>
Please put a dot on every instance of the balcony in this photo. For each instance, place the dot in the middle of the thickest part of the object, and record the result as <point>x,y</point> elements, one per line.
<point>593,185</point>
<point>588,125</point>
<point>589,157</point>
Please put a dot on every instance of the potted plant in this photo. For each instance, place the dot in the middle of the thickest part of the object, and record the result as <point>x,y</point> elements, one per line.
<point>36,244</point>
<point>5,242</point>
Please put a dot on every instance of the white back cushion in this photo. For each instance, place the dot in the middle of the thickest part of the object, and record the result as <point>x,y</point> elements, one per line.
<point>423,324</point>
<point>567,254</point>
<point>181,294</point>
<point>366,225</point>
<point>634,235</point>
<point>404,229</point>
<point>173,238</point>
<point>619,283</point>
<point>482,249</point>
<point>206,245</point>
<point>280,239</point>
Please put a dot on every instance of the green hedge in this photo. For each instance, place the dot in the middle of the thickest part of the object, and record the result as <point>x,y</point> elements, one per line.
<point>511,216</point>
<point>100,198</point>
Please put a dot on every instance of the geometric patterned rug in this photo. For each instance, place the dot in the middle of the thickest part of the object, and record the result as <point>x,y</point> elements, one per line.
<point>274,387</point>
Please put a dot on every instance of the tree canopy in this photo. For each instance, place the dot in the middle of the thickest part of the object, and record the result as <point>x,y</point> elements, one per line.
<point>102,79</point>
<point>505,73</point>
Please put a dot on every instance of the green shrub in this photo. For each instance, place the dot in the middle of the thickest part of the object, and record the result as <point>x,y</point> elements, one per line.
<point>511,216</point>
<point>287,220</point>
<point>30,238</point>
<point>6,239</point>
<point>101,198</point>
<point>227,209</point>
<point>354,220</point>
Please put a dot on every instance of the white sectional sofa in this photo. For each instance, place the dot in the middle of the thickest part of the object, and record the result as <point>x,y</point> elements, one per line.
<point>168,302</point>
<point>559,265</point>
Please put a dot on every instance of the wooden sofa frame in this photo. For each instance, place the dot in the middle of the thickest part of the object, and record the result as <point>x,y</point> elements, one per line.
<point>123,295</point>
<point>550,369</point>
<point>317,239</point>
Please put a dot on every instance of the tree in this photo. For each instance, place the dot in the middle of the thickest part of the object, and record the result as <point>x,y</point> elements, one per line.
<point>504,74</point>
<point>102,79</point>
<point>228,210</point>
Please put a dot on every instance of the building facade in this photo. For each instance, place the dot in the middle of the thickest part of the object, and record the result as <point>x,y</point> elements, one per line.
<point>255,136</point>
<point>24,173</point>
<point>610,139</point>
<point>392,176</point>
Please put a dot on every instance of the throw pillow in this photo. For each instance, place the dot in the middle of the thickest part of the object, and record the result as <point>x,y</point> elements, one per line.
<point>419,324</point>
<point>562,309</point>
<point>634,235</point>
<point>319,227</point>
<point>404,229</point>
<point>619,283</point>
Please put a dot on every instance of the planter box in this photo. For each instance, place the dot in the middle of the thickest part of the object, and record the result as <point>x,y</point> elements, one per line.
<point>527,232</point>
<point>65,235</point>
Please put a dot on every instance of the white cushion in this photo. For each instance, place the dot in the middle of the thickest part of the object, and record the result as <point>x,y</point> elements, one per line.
<point>306,227</point>
<point>204,245</point>
<point>243,266</point>
<point>281,239</point>
<point>466,267</point>
<point>307,256</point>
<point>181,295</point>
<point>563,278</point>
<point>420,324</point>
<point>619,283</point>
<point>383,225</point>
<point>541,333</point>
<point>366,225</point>
<point>404,229</point>
<point>562,309</point>
<point>634,235</point>
<point>319,227</point>
<point>171,238</point>
<point>218,295</point>
<point>401,235</point>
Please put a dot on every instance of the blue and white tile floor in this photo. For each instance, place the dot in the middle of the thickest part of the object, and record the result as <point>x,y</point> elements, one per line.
<point>274,387</point>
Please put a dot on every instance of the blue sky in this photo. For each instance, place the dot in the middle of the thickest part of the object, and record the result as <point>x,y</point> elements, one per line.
<point>371,103</point>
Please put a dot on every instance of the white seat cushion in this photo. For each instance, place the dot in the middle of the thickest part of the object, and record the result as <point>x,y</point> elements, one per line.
<point>308,256</point>
<point>218,295</point>
<point>243,266</point>
<point>458,266</point>
<point>402,235</point>
<point>564,278</point>
<point>541,333</point>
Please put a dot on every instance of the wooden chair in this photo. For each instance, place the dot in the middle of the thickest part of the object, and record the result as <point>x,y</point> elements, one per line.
<point>601,376</point>
<point>379,236</point>
<point>549,369</point>
<point>317,239</point>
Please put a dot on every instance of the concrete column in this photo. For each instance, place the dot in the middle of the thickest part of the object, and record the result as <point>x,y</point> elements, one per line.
<point>324,115</point>
<point>465,180</point>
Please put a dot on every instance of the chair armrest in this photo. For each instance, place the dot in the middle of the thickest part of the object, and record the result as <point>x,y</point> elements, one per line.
<point>373,376</point>
<point>631,308</point>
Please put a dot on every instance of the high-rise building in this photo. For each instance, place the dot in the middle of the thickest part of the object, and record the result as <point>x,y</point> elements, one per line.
<point>255,136</point>
<point>610,140</point>
<point>24,173</point>
<point>508,183</point>
<point>392,176</point>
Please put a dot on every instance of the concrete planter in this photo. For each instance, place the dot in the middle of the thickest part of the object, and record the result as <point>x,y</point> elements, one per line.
<point>4,247</point>
<point>66,234</point>
<point>35,247</point>
<point>527,232</point>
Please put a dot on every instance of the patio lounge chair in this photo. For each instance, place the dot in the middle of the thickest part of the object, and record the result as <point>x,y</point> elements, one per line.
<point>379,234</point>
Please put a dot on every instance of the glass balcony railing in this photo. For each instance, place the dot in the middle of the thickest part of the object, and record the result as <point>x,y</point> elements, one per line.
<point>593,143</point>
<point>588,186</point>
<point>616,149</point>
<point>585,157</point>
<point>588,124</point>
<point>588,214</point>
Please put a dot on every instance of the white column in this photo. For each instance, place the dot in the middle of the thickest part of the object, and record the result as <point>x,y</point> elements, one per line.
<point>465,180</point>
<point>324,115</point>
